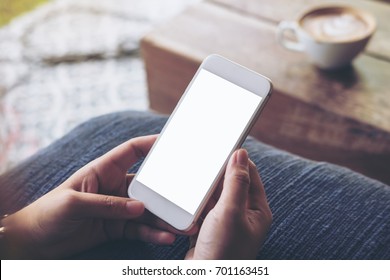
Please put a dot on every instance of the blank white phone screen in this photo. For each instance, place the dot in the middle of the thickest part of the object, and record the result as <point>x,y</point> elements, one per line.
<point>194,146</point>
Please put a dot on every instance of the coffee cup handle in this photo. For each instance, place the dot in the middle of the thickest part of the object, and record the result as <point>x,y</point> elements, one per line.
<point>285,26</point>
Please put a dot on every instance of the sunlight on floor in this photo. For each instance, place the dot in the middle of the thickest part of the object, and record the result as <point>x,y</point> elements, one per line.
<point>10,9</point>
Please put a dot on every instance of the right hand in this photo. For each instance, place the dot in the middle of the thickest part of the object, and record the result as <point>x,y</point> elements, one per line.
<point>238,224</point>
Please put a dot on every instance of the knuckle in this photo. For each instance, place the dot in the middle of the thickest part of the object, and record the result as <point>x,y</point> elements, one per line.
<point>70,200</point>
<point>108,202</point>
<point>111,205</point>
<point>242,177</point>
<point>70,197</point>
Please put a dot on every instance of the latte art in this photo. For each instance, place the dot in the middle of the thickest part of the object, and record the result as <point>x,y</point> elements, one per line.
<point>335,26</point>
<point>331,36</point>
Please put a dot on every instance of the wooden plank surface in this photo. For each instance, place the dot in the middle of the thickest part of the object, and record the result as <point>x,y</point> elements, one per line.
<point>279,10</point>
<point>352,93</point>
<point>341,117</point>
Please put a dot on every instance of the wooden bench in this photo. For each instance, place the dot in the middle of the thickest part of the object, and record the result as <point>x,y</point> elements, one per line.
<point>341,117</point>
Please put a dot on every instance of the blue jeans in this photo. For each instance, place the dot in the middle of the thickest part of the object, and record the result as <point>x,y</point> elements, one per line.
<point>321,211</point>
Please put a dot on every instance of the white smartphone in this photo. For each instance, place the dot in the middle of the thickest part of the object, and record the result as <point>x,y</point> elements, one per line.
<point>211,120</point>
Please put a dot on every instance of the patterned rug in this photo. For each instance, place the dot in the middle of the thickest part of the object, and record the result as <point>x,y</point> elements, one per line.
<point>68,61</point>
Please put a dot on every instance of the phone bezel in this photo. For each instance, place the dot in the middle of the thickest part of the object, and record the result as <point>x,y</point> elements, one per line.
<point>237,74</point>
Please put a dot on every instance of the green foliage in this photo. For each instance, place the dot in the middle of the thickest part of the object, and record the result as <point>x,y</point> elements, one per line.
<point>10,9</point>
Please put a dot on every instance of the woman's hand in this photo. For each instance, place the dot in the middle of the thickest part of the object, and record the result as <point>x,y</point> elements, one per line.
<point>90,208</point>
<point>237,225</point>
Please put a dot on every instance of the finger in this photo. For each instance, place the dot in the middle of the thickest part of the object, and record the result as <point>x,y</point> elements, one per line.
<point>129,178</point>
<point>218,190</point>
<point>148,234</point>
<point>190,254</point>
<point>213,200</point>
<point>152,220</point>
<point>257,194</point>
<point>128,153</point>
<point>236,182</point>
<point>209,206</point>
<point>193,239</point>
<point>107,207</point>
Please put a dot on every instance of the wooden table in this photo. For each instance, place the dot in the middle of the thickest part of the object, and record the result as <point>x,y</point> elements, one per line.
<point>341,117</point>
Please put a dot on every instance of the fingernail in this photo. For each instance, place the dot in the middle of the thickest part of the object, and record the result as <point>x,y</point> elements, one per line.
<point>242,157</point>
<point>135,207</point>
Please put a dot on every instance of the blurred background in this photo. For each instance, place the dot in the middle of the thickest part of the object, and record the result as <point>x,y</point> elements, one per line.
<point>65,61</point>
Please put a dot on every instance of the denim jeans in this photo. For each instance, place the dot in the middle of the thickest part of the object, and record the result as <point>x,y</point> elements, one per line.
<point>321,211</point>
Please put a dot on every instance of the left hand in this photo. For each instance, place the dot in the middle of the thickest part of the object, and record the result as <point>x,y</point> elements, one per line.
<point>89,208</point>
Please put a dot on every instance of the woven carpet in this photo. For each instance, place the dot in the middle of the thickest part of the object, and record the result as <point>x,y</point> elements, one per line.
<point>70,60</point>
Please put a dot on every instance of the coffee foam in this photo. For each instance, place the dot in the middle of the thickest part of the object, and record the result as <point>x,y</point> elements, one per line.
<point>335,25</point>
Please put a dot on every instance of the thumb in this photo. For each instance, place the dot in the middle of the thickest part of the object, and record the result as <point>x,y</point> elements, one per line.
<point>107,207</point>
<point>237,181</point>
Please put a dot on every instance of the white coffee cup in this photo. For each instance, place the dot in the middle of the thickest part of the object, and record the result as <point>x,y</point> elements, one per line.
<point>331,36</point>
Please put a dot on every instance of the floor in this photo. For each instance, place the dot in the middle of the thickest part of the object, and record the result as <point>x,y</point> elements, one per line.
<point>10,9</point>
<point>67,61</point>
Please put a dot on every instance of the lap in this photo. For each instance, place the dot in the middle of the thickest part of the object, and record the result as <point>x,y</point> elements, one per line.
<point>321,211</point>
